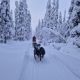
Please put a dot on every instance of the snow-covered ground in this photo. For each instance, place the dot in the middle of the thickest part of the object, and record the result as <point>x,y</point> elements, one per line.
<point>71,50</point>
<point>17,63</point>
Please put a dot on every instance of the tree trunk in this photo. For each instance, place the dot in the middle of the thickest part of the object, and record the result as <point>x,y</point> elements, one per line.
<point>4,39</point>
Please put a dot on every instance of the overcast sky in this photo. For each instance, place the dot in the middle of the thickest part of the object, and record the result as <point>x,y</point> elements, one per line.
<point>38,8</point>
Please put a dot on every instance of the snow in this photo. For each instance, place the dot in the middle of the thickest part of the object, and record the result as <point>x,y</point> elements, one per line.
<point>71,50</point>
<point>11,60</point>
<point>57,46</point>
<point>77,28</point>
<point>17,62</point>
<point>48,29</point>
<point>53,35</point>
<point>75,36</point>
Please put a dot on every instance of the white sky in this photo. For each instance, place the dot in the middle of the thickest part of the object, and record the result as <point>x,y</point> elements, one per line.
<point>38,8</point>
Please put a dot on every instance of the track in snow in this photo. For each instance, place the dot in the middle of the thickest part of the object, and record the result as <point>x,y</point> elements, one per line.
<point>50,68</point>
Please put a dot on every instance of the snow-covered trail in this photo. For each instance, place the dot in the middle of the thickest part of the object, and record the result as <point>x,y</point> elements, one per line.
<point>17,63</point>
<point>11,59</point>
<point>54,66</point>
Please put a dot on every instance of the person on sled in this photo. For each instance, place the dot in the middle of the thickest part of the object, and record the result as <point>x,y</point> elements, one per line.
<point>34,40</point>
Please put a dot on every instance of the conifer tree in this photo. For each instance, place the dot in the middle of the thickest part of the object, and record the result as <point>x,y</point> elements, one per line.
<point>74,22</point>
<point>60,18</point>
<point>16,19</point>
<point>24,21</point>
<point>71,8</point>
<point>28,27</point>
<point>64,18</point>
<point>56,14</point>
<point>53,14</point>
<point>59,26</point>
<point>48,14</point>
<point>6,22</point>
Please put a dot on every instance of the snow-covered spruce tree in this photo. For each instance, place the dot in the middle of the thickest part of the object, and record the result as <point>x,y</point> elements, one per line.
<point>60,18</point>
<point>75,35</point>
<point>38,28</point>
<point>71,14</point>
<point>65,26</point>
<point>64,30</point>
<point>12,22</point>
<point>64,18</point>
<point>75,20</point>
<point>71,8</point>
<point>53,15</point>
<point>62,26</point>
<point>48,14</point>
<point>21,29</point>
<point>56,14</point>
<point>59,26</point>
<point>69,21</point>
<point>74,15</point>
<point>28,27</point>
<point>41,34</point>
<point>67,29</point>
<point>23,21</point>
<point>27,21</point>
<point>57,7</point>
<point>42,24</point>
<point>36,32</point>
<point>1,27</point>
<point>1,34</point>
<point>6,21</point>
<point>16,19</point>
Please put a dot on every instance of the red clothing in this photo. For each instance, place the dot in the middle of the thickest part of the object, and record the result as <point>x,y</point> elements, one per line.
<point>34,38</point>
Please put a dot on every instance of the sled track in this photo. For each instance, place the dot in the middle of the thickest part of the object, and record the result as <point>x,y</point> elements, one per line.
<point>47,62</point>
<point>50,63</point>
<point>27,69</point>
<point>58,60</point>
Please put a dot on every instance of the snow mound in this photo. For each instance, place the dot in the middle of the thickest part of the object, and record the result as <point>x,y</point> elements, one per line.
<point>57,45</point>
<point>71,50</point>
<point>75,31</point>
<point>75,35</point>
<point>52,36</point>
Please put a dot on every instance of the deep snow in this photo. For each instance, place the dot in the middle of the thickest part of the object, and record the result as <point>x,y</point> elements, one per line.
<point>17,63</point>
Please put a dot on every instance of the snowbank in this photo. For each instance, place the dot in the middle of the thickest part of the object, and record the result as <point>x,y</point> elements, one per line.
<point>71,50</point>
<point>75,35</point>
<point>57,45</point>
